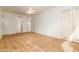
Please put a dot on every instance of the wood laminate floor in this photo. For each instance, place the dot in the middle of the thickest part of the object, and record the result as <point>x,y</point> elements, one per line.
<point>31,42</point>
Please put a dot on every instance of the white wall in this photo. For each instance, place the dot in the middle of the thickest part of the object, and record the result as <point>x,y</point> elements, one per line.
<point>14,23</point>
<point>49,22</point>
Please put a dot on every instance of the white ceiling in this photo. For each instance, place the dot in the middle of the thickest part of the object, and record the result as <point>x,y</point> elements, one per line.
<point>22,9</point>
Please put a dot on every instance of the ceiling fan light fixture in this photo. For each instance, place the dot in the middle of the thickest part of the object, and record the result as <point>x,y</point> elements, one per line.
<point>31,11</point>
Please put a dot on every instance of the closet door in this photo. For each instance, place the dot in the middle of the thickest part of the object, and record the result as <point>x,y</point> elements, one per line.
<point>26,25</point>
<point>67,23</point>
<point>76,18</point>
<point>75,34</point>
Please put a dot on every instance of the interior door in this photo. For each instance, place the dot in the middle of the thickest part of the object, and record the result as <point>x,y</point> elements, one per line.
<point>67,23</point>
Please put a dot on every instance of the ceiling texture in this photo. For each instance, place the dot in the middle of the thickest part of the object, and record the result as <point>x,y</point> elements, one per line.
<point>22,9</point>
